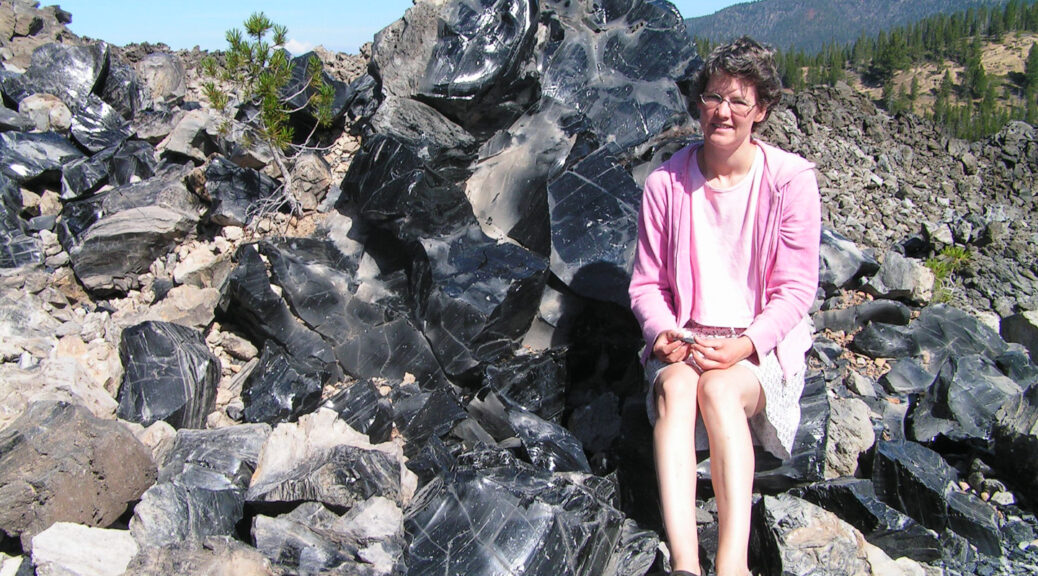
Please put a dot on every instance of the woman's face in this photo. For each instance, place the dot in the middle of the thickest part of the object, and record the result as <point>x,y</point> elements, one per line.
<point>722,126</point>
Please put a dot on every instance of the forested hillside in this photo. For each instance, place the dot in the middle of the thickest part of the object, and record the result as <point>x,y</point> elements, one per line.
<point>971,71</point>
<point>809,25</point>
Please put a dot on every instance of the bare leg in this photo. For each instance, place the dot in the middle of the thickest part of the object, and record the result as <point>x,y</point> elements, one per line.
<point>727,399</point>
<point>675,454</point>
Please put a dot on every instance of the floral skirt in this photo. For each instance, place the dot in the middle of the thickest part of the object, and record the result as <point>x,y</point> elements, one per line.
<point>775,427</point>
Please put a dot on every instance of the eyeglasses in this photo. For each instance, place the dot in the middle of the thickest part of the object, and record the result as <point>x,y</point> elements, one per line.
<point>738,106</point>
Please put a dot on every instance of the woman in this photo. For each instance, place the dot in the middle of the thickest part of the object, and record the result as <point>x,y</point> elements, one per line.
<point>725,272</point>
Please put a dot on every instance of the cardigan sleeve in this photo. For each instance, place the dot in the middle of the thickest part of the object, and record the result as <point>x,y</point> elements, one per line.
<point>791,279</point>
<point>651,292</point>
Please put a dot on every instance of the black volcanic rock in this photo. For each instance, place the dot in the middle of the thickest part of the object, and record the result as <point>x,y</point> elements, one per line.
<point>474,72</point>
<point>619,66</point>
<point>201,486</point>
<point>485,520</point>
<point>855,501</point>
<point>548,445</point>
<point>115,166</point>
<point>235,192</point>
<point>263,315</point>
<point>67,71</point>
<point>25,157</point>
<point>115,235</point>
<point>477,297</point>
<point>340,477</point>
<point>16,247</point>
<point>392,187</point>
<point>1016,443</point>
<point>536,382</point>
<point>298,92</point>
<point>96,125</point>
<point>857,316</point>
<point>11,120</point>
<point>283,386</point>
<point>593,209</point>
<point>123,89</point>
<point>975,520</point>
<point>915,480</point>
<point>841,261</point>
<point>365,410</point>
<point>807,461</point>
<point>371,339</point>
<point>169,374</point>
<point>967,393</point>
<point>422,415</point>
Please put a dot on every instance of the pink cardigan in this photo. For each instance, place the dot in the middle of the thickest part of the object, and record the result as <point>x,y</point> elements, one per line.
<point>786,239</point>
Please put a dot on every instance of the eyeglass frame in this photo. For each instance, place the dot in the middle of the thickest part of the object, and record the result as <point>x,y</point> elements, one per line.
<point>722,100</point>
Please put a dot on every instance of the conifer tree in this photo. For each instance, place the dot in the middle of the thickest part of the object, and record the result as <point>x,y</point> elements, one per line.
<point>256,71</point>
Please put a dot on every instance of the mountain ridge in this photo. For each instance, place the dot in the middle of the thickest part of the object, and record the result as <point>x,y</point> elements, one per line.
<point>809,24</point>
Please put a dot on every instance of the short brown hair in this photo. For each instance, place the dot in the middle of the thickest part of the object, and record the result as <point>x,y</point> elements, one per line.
<point>747,60</point>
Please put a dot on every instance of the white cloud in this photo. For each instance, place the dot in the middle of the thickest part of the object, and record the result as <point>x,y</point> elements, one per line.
<point>296,47</point>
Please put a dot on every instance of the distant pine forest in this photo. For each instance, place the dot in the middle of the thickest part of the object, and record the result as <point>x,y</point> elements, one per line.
<point>936,67</point>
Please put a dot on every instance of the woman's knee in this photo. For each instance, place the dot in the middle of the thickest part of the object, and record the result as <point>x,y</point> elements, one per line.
<point>724,390</point>
<point>676,387</point>
<point>718,390</point>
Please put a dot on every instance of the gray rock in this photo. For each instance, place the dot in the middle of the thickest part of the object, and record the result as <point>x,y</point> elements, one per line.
<point>311,179</point>
<point>850,436</point>
<point>163,75</point>
<point>190,138</point>
<point>1022,328</point>
<point>367,540</point>
<point>901,278</point>
<point>854,500</point>
<point>115,235</point>
<point>67,549</point>
<point>224,556</point>
<point>321,459</point>
<point>61,464</point>
<point>806,539</point>
<point>46,112</point>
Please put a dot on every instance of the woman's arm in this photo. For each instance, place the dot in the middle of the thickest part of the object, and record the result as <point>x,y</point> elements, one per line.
<point>791,282</point>
<point>651,293</point>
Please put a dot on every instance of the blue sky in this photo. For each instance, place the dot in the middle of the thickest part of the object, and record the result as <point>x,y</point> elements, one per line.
<point>339,25</point>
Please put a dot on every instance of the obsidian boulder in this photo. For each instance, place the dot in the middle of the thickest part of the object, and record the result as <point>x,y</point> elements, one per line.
<point>236,193</point>
<point>169,374</point>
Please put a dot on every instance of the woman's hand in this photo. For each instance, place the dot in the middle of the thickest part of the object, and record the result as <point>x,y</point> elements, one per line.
<point>720,353</point>
<point>669,347</point>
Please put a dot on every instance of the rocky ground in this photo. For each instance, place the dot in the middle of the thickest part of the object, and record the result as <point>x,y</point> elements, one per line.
<point>432,368</point>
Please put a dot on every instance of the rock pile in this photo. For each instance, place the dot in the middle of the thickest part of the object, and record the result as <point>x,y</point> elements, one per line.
<point>435,370</point>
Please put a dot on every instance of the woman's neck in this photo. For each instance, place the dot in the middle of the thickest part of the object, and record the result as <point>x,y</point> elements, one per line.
<point>723,169</point>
